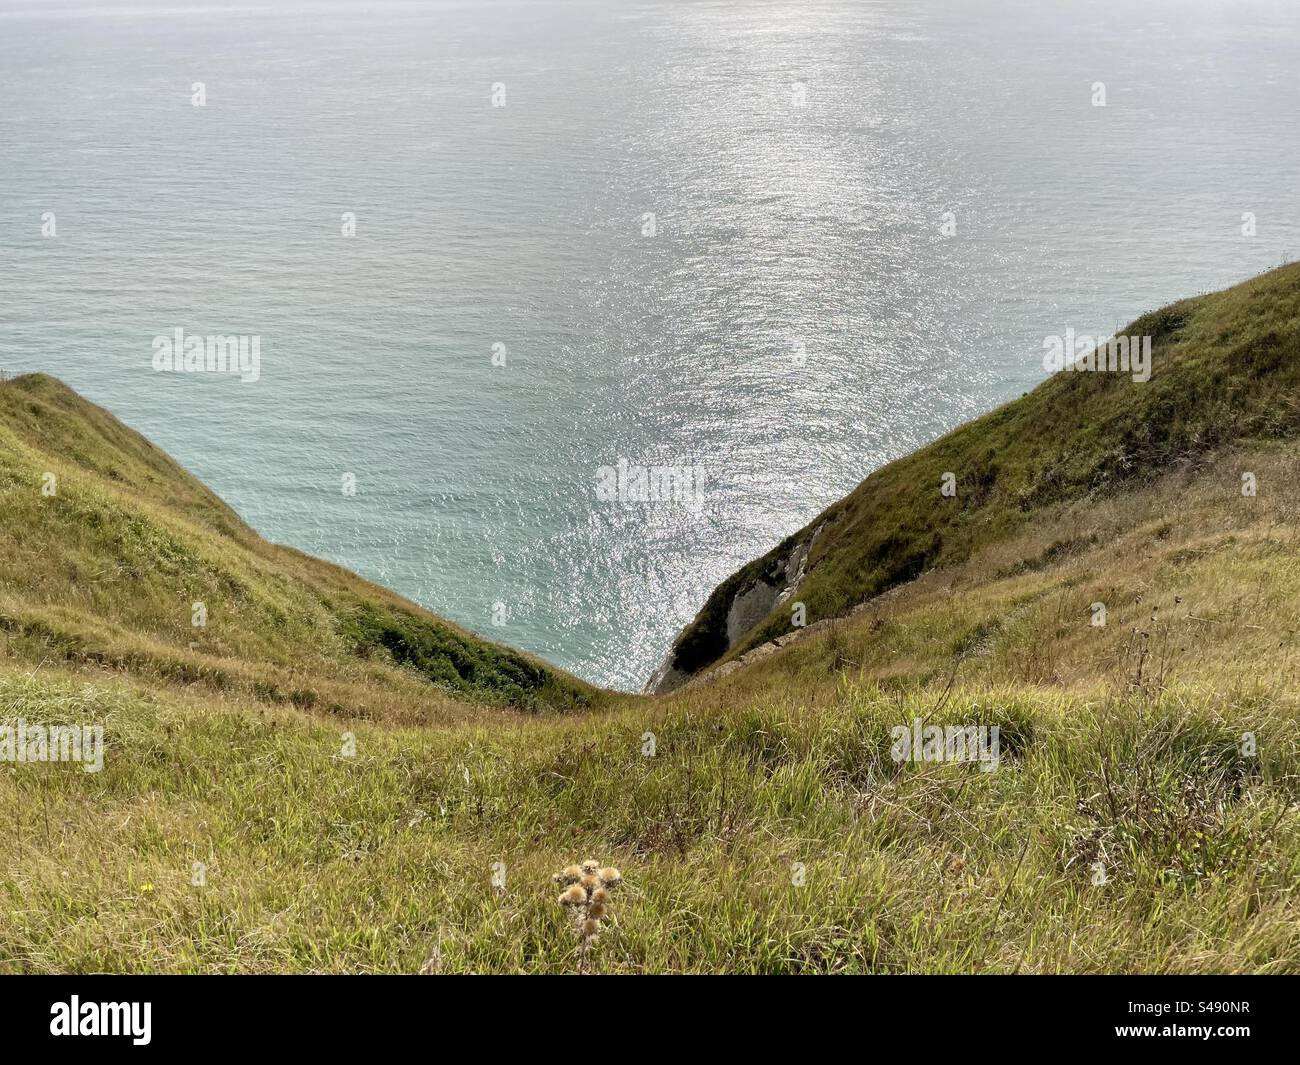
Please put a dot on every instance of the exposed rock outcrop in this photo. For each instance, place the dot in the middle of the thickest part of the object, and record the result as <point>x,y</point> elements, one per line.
<point>733,611</point>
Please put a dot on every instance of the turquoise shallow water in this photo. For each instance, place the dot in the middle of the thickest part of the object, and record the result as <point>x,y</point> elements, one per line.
<point>797,318</point>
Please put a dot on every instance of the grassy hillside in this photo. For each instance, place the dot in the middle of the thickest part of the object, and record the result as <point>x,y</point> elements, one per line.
<point>108,545</point>
<point>1144,816</point>
<point>1226,367</point>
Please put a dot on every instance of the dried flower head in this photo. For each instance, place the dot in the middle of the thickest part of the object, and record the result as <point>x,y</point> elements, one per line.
<point>588,895</point>
<point>569,875</point>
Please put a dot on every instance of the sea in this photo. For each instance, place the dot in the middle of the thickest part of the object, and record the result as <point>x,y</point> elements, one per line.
<point>732,254</point>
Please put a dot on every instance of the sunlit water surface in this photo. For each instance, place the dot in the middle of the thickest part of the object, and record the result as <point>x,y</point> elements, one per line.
<point>797,319</point>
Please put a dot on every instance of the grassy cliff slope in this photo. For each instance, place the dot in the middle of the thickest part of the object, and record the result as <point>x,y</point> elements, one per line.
<point>1226,367</point>
<point>108,546</point>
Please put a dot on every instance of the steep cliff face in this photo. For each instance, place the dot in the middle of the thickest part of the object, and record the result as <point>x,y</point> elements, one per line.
<point>1223,368</point>
<point>736,607</point>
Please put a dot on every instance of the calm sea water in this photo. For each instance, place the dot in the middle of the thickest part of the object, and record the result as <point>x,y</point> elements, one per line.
<point>797,319</point>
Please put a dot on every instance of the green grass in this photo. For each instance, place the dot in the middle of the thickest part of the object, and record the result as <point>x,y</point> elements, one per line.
<point>456,662</point>
<point>383,861</point>
<point>350,770</point>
